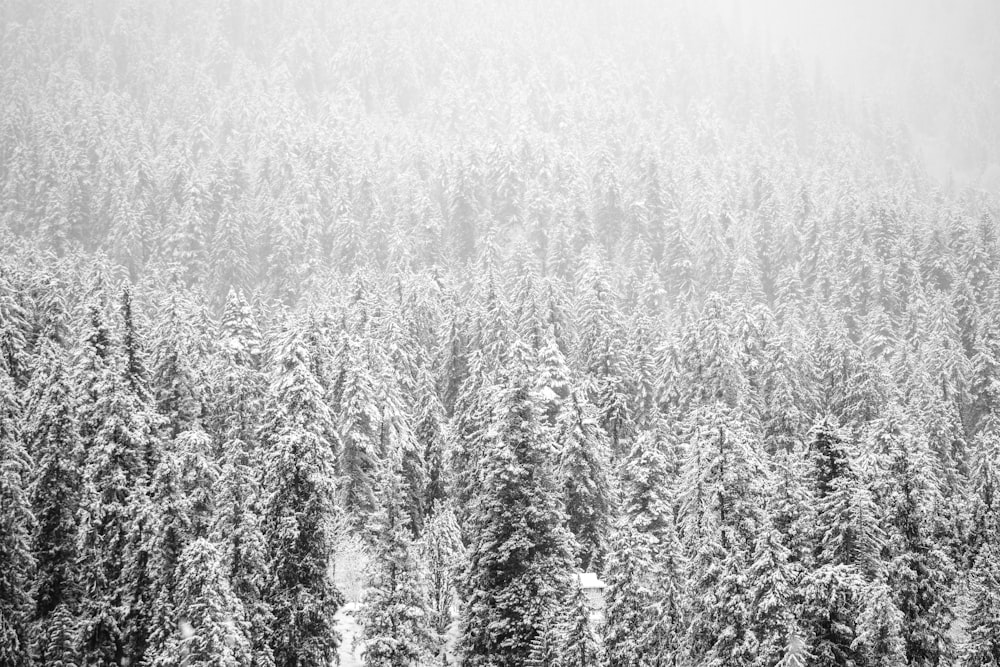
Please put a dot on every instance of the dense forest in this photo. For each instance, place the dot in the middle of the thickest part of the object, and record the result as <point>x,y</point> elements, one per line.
<point>488,295</point>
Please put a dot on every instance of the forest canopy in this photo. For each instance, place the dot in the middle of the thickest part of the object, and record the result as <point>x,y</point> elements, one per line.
<point>700,297</point>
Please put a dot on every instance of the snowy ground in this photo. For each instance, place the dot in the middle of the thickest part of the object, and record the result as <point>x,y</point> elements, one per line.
<point>348,627</point>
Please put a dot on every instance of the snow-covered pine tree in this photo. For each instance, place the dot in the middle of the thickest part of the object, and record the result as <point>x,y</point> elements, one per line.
<point>722,513</point>
<point>117,426</point>
<point>51,432</point>
<point>174,381</point>
<point>299,512</point>
<point>359,419</point>
<point>649,482</point>
<point>16,527</point>
<point>209,614</point>
<point>475,412</point>
<point>443,555</point>
<point>880,628</point>
<point>134,349</point>
<point>600,344</point>
<point>644,598</point>
<point>237,529</point>
<point>554,382</point>
<point>984,480</point>
<point>580,646</point>
<point>772,581</point>
<point>983,645</point>
<point>847,545</point>
<point>791,505</point>
<point>182,494</point>
<point>396,630</point>
<point>710,367</point>
<point>584,461</point>
<point>397,442</point>
<point>430,428</point>
<point>13,327</point>
<point>920,571</point>
<point>521,555</point>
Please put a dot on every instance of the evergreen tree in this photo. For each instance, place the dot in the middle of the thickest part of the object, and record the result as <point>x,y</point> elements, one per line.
<point>300,513</point>
<point>238,531</point>
<point>643,601</point>
<point>921,573</point>
<point>117,441</point>
<point>722,511</point>
<point>520,558</point>
<point>984,480</point>
<point>584,462</point>
<point>983,645</point>
<point>880,627</point>
<point>847,540</point>
<point>443,555</point>
<point>16,527</point>
<point>580,646</point>
<point>649,480</point>
<point>181,510</point>
<point>396,629</point>
<point>772,582</point>
<point>52,434</point>
<point>174,381</point>
<point>212,632</point>
<point>359,421</point>
<point>431,431</point>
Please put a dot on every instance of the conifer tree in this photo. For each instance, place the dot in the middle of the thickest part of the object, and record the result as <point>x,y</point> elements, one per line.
<point>984,480</point>
<point>520,558</point>
<point>879,628</point>
<point>396,629</point>
<point>649,481</point>
<point>16,527</point>
<point>847,534</point>
<point>13,327</point>
<point>238,531</point>
<point>643,601</point>
<point>722,513</point>
<point>921,573</point>
<point>52,434</point>
<point>431,432</point>
<point>772,582</point>
<point>210,617</point>
<point>181,510</point>
<point>443,555</point>
<point>580,646</point>
<point>300,512</point>
<point>118,440</point>
<point>983,645</point>
<point>359,421</point>
<point>174,381</point>
<point>584,462</point>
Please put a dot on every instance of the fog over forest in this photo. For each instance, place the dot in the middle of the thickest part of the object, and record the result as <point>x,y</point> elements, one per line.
<point>552,334</point>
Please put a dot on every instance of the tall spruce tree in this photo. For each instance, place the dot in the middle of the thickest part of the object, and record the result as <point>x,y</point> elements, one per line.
<point>443,555</point>
<point>237,528</point>
<point>300,512</point>
<point>118,438</point>
<point>51,432</point>
<point>396,629</point>
<point>722,490</point>
<point>644,601</point>
<point>521,555</point>
<point>210,617</point>
<point>983,644</point>
<point>920,571</point>
<point>16,527</point>
<point>584,460</point>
